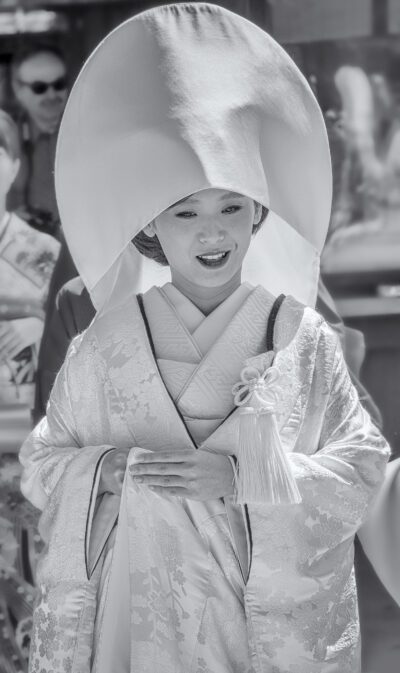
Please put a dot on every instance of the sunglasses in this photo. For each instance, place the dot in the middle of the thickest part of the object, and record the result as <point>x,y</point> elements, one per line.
<point>39,88</point>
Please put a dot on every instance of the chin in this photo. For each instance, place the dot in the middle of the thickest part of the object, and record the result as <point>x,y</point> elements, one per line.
<point>215,279</point>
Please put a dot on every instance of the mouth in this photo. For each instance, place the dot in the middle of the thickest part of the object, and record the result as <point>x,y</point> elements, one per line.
<point>214,259</point>
<point>51,105</point>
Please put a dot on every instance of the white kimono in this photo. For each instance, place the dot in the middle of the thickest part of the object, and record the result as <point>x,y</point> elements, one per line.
<point>180,586</point>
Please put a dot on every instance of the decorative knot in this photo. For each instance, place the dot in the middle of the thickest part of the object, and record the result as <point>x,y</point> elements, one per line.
<point>255,388</point>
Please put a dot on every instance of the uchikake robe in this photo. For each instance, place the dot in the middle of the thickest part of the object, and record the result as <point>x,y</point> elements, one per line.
<point>178,585</point>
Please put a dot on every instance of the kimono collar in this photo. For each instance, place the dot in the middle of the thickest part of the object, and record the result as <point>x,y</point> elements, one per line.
<point>179,99</point>
<point>192,317</point>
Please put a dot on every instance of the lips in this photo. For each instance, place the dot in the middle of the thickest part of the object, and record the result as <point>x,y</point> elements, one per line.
<point>214,259</point>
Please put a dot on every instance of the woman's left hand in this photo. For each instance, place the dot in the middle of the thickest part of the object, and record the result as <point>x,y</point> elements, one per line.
<point>190,473</point>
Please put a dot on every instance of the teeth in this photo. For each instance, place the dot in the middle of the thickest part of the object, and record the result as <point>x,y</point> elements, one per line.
<point>217,256</point>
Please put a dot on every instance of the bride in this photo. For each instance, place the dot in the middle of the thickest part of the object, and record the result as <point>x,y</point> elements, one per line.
<point>205,462</point>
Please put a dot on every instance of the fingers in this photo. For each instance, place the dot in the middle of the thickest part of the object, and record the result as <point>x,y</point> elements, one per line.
<point>178,463</point>
<point>165,473</point>
<point>165,481</point>
<point>173,491</point>
<point>139,469</point>
<point>168,456</point>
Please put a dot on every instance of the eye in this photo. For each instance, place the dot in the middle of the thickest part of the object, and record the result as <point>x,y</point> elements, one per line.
<point>232,209</point>
<point>186,214</point>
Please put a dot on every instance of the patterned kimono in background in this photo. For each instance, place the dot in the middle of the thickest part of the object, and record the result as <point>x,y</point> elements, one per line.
<point>27,260</point>
<point>20,546</point>
<point>181,586</point>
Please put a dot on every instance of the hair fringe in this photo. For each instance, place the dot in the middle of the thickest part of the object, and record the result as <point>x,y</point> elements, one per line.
<point>150,246</point>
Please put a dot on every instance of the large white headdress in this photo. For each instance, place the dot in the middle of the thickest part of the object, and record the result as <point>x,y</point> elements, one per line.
<point>178,99</point>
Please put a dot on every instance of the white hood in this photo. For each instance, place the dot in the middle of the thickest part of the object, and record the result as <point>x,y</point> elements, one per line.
<point>178,99</point>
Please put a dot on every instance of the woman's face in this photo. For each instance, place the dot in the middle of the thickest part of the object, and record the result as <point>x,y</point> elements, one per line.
<point>206,236</point>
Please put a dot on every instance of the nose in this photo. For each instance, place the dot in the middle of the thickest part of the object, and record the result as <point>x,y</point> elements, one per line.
<point>52,95</point>
<point>211,234</point>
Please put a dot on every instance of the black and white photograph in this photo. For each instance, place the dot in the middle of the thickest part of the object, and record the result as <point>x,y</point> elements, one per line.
<point>200,336</point>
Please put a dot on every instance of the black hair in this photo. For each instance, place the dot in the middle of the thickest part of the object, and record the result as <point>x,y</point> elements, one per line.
<point>9,135</point>
<point>30,50</point>
<point>150,246</point>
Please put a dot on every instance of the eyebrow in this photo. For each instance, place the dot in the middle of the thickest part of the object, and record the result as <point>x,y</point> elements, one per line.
<point>232,195</point>
<point>225,197</point>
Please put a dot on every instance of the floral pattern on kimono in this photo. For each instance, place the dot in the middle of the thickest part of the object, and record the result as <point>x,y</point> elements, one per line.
<point>27,260</point>
<point>190,608</point>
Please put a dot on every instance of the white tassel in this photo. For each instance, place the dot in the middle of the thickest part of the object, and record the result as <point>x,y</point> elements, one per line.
<point>264,473</point>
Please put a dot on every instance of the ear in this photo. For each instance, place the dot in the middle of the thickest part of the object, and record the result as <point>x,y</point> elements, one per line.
<point>16,167</point>
<point>149,229</point>
<point>257,213</point>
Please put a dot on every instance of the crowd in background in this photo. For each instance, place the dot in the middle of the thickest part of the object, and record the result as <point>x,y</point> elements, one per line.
<point>29,221</point>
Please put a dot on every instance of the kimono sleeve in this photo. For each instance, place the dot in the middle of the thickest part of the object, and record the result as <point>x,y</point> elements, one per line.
<point>380,534</point>
<point>54,442</point>
<point>344,475</point>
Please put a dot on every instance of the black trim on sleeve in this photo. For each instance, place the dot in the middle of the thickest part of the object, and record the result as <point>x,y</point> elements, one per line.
<point>271,321</point>
<point>88,574</point>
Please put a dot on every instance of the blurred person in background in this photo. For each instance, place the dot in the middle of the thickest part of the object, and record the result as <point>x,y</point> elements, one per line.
<point>27,259</point>
<point>387,133</point>
<point>40,85</point>
<point>55,340</point>
<point>365,138</point>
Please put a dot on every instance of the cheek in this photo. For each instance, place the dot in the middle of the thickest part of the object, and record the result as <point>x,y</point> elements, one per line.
<point>176,239</point>
<point>242,232</point>
<point>33,104</point>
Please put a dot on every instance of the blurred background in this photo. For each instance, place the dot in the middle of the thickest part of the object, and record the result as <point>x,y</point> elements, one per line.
<point>349,50</point>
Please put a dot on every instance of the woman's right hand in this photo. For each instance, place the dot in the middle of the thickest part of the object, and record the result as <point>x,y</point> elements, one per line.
<point>113,472</point>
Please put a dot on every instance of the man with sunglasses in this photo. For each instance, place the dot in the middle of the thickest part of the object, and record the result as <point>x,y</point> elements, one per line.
<point>40,85</point>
